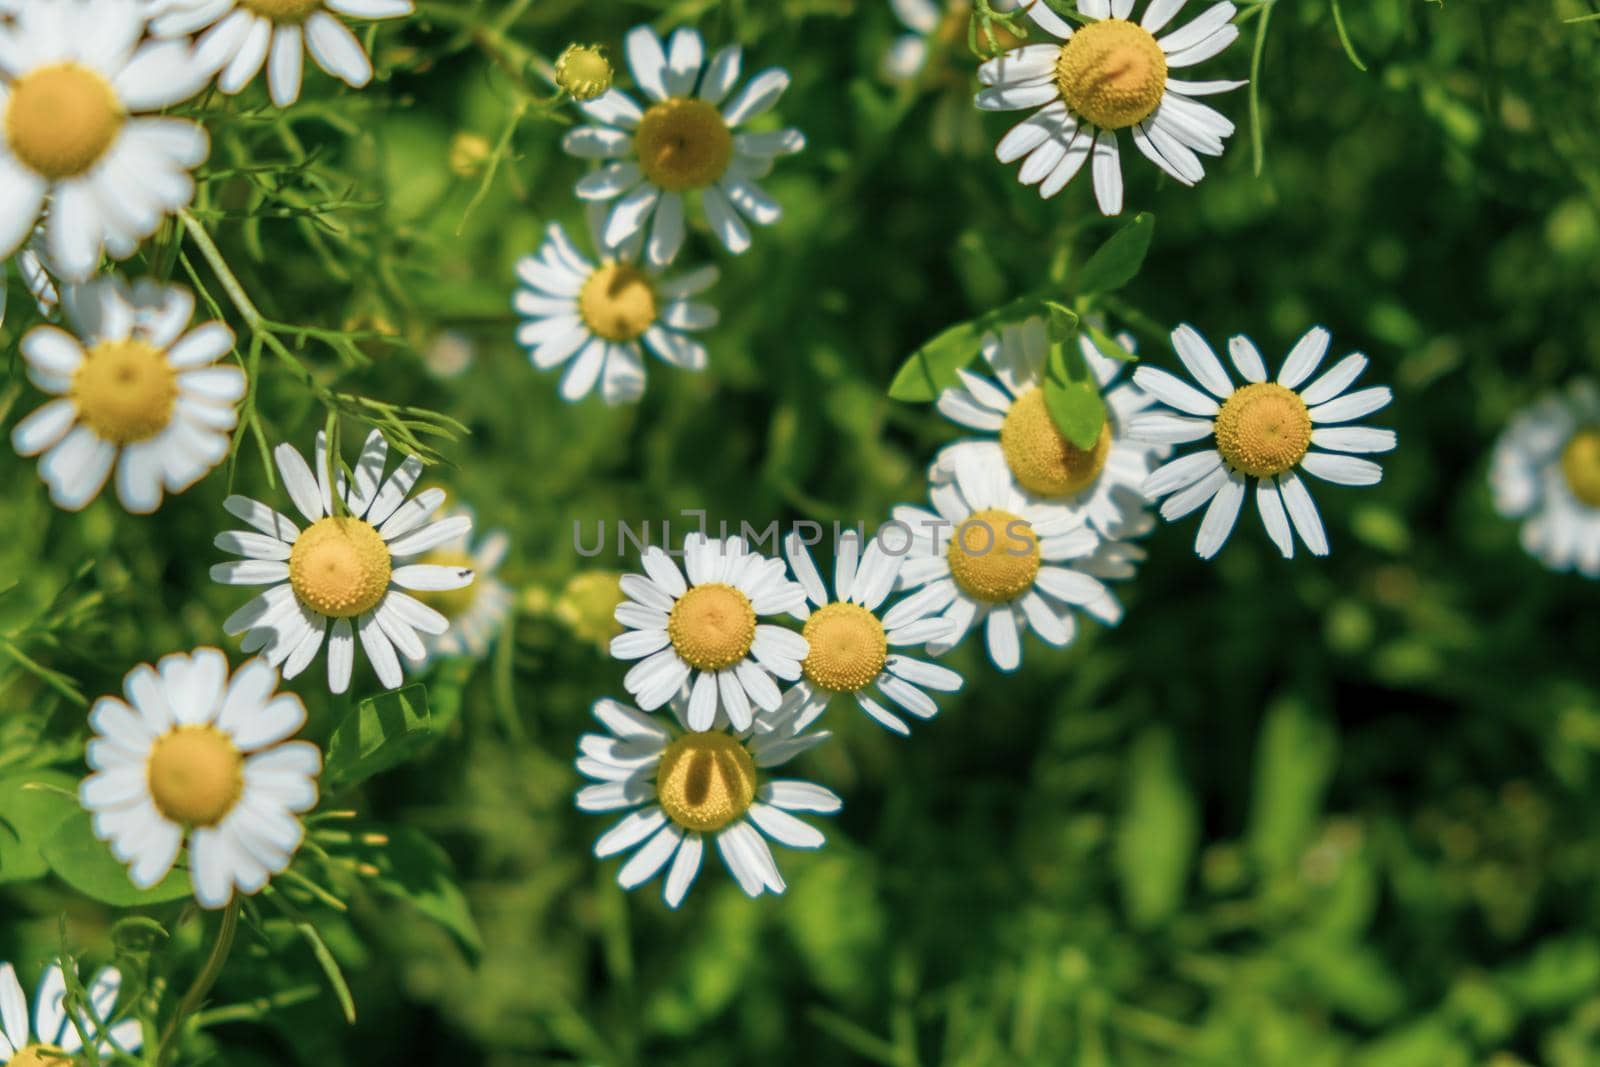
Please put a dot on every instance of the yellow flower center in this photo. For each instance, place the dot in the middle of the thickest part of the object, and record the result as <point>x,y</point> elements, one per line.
<point>451,603</point>
<point>61,119</point>
<point>1580,462</point>
<point>1040,458</point>
<point>588,605</point>
<point>125,390</point>
<point>1263,429</point>
<point>583,71</point>
<point>994,556</point>
<point>283,10</point>
<point>617,302</point>
<point>705,781</point>
<point>712,626</point>
<point>683,143</point>
<point>848,648</point>
<point>1113,73</point>
<point>339,567</point>
<point>40,1056</point>
<point>196,775</point>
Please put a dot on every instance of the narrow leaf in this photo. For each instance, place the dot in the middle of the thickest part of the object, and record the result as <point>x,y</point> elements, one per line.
<point>1117,262</point>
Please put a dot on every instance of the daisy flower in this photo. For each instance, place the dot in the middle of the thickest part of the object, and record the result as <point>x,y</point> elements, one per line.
<point>705,631</point>
<point>686,139</point>
<point>598,318</point>
<point>54,1036</point>
<point>1262,431</point>
<point>345,574</point>
<point>850,644</point>
<point>931,23</point>
<point>1110,75</point>
<point>1101,483</point>
<point>681,785</point>
<point>78,92</point>
<point>135,389</point>
<point>240,36</point>
<point>476,612</point>
<point>195,756</point>
<point>991,553</point>
<point>1546,471</point>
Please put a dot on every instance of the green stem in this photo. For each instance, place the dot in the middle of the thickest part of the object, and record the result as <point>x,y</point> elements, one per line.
<point>202,984</point>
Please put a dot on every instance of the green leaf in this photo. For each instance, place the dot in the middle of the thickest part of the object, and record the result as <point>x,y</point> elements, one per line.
<point>1071,394</point>
<point>379,733</point>
<point>29,814</point>
<point>1295,760</point>
<point>413,869</point>
<point>86,864</point>
<point>1156,835</point>
<point>1108,345</point>
<point>932,368</point>
<point>1116,263</point>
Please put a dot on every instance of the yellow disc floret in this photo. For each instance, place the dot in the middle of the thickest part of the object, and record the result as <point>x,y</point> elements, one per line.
<point>61,119</point>
<point>1580,462</point>
<point>705,781</point>
<point>339,567</point>
<point>40,1056</point>
<point>617,302</point>
<point>283,10</point>
<point>683,143</point>
<point>1263,429</point>
<point>848,648</point>
<point>583,71</point>
<point>994,556</point>
<point>1040,458</point>
<point>712,626</point>
<point>125,390</point>
<point>196,775</point>
<point>1113,73</point>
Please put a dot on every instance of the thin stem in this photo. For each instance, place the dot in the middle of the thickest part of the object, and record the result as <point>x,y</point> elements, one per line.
<point>202,984</point>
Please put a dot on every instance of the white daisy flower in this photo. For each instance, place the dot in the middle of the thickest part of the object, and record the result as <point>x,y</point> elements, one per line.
<point>240,36</point>
<point>1102,483</point>
<point>932,22</point>
<point>704,632</point>
<point>54,1035</point>
<point>1546,471</point>
<point>135,389</point>
<point>598,318</point>
<point>476,612</point>
<point>850,643</point>
<point>1110,75</point>
<point>345,574</point>
<point>78,93</point>
<point>193,755</point>
<point>1262,431</point>
<point>680,785</point>
<point>687,139</point>
<point>991,553</point>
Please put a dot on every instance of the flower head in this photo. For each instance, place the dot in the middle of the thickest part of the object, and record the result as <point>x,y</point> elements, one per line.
<point>192,755</point>
<point>583,71</point>
<point>346,574</point>
<point>56,1036</point>
<point>1546,471</point>
<point>1262,431</point>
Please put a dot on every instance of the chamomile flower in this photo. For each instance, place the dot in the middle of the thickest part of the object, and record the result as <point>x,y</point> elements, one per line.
<point>1111,74</point>
<point>991,553</point>
<point>78,94</point>
<point>345,575</point>
<point>1546,471</point>
<point>55,1036</point>
<point>135,389</point>
<point>705,632</point>
<point>1102,483</point>
<point>238,37</point>
<point>930,23</point>
<point>850,642</point>
<point>1261,432</point>
<point>195,756</point>
<point>686,139</point>
<point>681,785</point>
<point>598,318</point>
<point>476,612</point>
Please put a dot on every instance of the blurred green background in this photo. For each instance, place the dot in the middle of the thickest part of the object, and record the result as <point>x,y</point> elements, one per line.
<point>1303,813</point>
